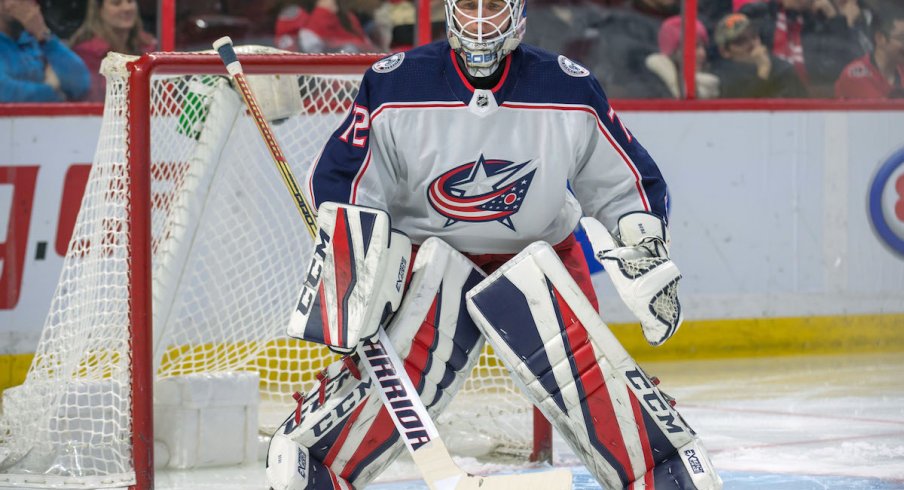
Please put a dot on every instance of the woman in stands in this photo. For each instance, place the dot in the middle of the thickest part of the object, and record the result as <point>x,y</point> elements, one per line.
<point>110,25</point>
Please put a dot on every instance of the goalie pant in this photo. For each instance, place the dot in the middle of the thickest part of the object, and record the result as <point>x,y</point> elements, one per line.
<point>570,365</point>
<point>341,435</point>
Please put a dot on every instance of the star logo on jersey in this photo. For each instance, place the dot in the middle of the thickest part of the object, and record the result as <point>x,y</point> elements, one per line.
<point>481,191</point>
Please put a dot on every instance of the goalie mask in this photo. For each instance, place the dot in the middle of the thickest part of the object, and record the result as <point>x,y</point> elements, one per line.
<point>484,31</point>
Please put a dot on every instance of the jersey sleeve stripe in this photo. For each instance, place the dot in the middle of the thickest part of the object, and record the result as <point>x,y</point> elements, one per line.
<point>414,105</point>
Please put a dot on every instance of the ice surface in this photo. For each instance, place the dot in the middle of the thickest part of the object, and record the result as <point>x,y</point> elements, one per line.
<point>796,423</point>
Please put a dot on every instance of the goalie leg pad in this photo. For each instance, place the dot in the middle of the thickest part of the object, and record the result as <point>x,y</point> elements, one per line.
<point>571,366</point>
<point>446,344</point>
<point>345,426</point>
<point>355,278</point>
<point>290,467</point>
<point>690,467</point>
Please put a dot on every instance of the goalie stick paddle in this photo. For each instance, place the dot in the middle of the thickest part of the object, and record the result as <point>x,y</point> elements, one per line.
<point>387,371</point>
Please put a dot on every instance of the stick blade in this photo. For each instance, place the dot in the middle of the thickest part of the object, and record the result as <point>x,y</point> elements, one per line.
<point>441,473</point>
<point>557,479</point>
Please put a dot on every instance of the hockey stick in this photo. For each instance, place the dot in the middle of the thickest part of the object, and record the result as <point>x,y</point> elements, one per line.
<point>386,370</point>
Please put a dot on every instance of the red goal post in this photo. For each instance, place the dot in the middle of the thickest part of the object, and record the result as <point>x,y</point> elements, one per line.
<point>139,127</point>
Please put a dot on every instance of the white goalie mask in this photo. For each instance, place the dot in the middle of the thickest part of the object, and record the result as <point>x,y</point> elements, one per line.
<point>484,31</point>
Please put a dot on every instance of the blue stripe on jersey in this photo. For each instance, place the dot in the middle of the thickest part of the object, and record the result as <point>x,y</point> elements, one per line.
<point>417,79</point>
<point>507,310</point>
<point>542,81</point>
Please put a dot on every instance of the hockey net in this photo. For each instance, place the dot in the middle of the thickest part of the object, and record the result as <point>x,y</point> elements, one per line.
<point>224,247</point>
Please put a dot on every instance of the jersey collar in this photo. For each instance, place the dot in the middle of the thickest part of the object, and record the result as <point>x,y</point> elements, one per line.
<point>463,89</point>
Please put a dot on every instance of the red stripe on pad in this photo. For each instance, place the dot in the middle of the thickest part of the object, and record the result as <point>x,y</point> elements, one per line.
<point>598,401</point>
<point>324,316</point>
<point>379,432</point>
<point>337,446</point>
<point>416,361</point>
<point>342,261</point>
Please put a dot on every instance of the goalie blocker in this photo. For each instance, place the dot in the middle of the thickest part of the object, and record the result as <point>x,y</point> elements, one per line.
<point>355,279</point>
<point>570,365</point>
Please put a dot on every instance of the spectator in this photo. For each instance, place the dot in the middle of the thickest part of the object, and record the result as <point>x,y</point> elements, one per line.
<point>615,44</point>
<point>879,74</point>
<point>35,66</point>
<point>402,18</point>
<point>746,69</point>
<point>665,64</point>
<point>860,19</point>
<point>109,25</point>
<point>810,34</point>
<point>321,26</point>
<point>711,11</point>
<point>657,9</point>
<point>565,27</point>
<point>376,19</point>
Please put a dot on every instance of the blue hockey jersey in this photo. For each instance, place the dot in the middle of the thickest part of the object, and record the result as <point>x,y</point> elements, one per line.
<point>488,171</point>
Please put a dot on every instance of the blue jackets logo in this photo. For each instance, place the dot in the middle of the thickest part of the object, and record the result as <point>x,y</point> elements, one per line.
<point>481,191</point>
<point>886,203</point>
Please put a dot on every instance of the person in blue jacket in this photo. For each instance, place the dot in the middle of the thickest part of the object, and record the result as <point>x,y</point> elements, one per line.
<point>35,65</point>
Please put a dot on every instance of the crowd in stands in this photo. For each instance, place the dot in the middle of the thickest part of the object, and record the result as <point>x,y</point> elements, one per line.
<point>852,49</point>
<point>37,66</point>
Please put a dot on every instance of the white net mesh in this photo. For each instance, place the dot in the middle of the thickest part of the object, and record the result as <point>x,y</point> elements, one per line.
<point>228,250</point>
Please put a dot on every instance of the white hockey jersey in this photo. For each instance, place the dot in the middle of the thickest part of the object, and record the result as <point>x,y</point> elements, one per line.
<point>488,171</point>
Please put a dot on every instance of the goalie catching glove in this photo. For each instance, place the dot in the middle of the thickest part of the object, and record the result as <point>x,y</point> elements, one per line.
<point>638,264</point>
<point>355,279</point>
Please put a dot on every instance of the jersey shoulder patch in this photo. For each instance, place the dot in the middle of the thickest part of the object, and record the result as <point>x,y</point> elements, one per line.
<point>389,64</point>
<point>572,68</point>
